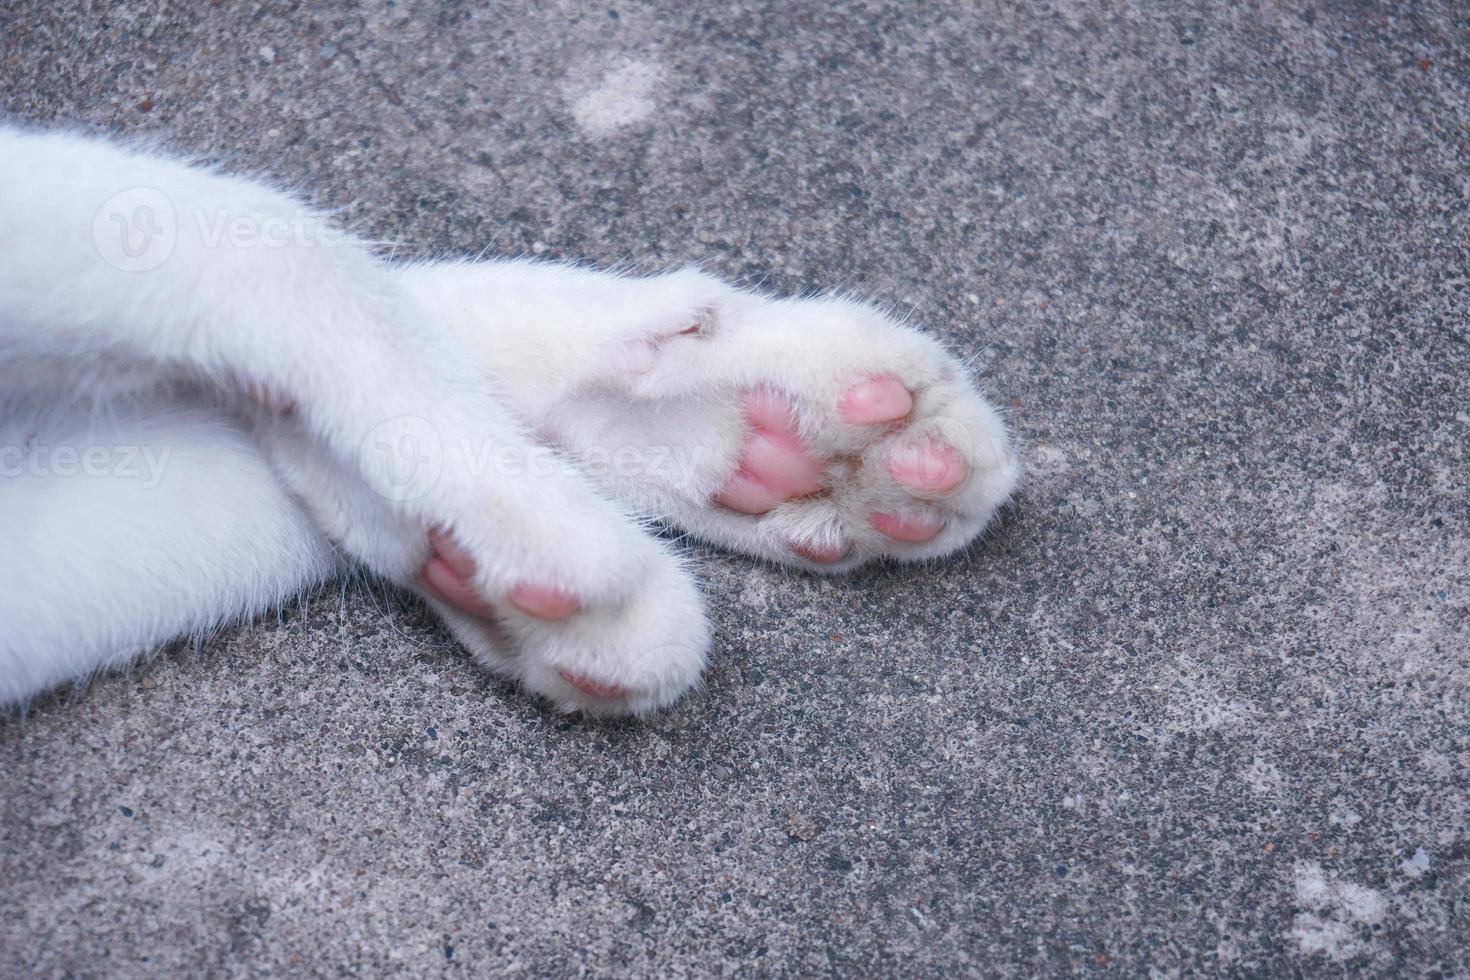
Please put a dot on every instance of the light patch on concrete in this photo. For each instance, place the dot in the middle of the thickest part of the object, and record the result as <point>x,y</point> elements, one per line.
<point>1343,815</point>
<point>1263,778</point>
<point>1198,701</point>
<point>1417,864</point>
<point>1401,588</point>
<point>1316,935</point>
<point>756,593</point>
<point>1047,465</point>
<point>623,97</point>
<point>1337,914</point>
<point>1048,458</point>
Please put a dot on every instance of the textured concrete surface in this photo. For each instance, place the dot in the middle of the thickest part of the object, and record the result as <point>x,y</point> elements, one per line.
<point>1199,704</point>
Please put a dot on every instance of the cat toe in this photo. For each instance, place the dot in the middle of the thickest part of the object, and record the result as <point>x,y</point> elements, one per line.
<point>928,469</point>
<point>544,601</point>
<point>876,400</point>
<point>449,573</point>
<point>910,528</point>
<point>822,553</point>
<point>602,690</point>
<point>774,464</point>
<point>442,579</point>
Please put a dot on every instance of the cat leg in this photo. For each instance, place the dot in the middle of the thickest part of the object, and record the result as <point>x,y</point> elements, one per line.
<point>633,653</point>
<point>818,433</point>
<point>128,528</point>
<point>137,268</point>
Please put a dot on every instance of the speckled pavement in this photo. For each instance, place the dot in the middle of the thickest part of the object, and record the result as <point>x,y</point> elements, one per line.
<point>1198,704</point>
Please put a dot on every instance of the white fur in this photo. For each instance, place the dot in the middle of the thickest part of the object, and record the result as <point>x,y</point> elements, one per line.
<point>308,402</point>
<point>601,366</point>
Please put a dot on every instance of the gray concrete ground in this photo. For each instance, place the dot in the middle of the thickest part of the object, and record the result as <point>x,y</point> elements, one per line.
<point>1199,704</point>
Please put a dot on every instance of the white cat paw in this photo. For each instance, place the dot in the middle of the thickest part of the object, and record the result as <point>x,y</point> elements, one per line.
<point>540,578</point>
<point>633,651</point>
<point>817,433</point>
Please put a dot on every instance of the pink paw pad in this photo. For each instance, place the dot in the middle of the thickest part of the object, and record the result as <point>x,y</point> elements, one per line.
<point>912,528</point>
<point>822,554</point>
<point>439,579</point>
<point>933,469</point>
<point>774,466</point>
<point>544,601</point>
<point>448,574</point>
<point>882,399</point>
<point>596,689</point>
